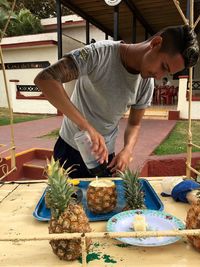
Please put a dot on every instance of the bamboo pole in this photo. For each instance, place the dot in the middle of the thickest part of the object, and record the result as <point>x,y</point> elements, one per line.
<point>189,145</point>
<point>197,21</point>
<point>8,20</point>
<point>26,182</point>
<point>12,145</point>
<point>192,169</point>
<point>4,151</point>
<point>84,250</point>
<point>189,142</point>
<point>134,234</point>
<point>7,172</point>
<point>177,4</point>
<point>12,149</point>
<point>195,145</point>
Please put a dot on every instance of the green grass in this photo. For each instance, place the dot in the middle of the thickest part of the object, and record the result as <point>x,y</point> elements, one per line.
<point>54,134</point>
<point>176,142</point>
<point>5,117</point>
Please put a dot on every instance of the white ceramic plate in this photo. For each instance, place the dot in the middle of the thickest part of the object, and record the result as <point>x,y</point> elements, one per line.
<point>156,221</point>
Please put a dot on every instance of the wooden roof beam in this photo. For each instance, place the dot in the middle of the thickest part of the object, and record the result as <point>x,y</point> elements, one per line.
<point>85,16</point>
<point>139,16</point>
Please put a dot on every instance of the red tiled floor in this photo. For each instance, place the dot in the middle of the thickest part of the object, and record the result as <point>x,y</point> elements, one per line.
<point>27,134</point>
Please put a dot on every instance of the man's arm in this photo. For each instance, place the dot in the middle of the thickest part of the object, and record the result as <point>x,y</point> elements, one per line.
<point>50,82</point>
<point>122,160</point>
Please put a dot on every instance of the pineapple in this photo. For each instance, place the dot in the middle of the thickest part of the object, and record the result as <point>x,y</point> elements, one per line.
<point>101,196</point>
<point>134,195</point>
<point>52,168</point>
<point>193,221</point>
<point>67,216</point>
<point>47,197</point>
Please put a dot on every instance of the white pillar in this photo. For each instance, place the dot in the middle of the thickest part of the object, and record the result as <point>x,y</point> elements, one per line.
<point>182,97</point>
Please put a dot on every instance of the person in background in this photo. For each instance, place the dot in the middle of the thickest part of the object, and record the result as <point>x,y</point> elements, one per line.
<point>166,82</point>
<point>92,41</point>
<point>111,77</point>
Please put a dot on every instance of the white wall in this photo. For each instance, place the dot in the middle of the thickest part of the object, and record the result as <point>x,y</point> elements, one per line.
<point>25,54</point>
<point>79,33</point>
<point>30,54</point>
<point>34,106</point>
<point>183,103</point>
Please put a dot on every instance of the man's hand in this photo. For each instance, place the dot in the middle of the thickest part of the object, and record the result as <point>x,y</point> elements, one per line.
<point>98,145</point>
<point>120,162</point>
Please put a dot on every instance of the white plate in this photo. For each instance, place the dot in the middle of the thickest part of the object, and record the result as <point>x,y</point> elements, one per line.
<point>156,221</point>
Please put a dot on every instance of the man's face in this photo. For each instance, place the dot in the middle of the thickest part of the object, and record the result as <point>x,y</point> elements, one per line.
<point>158,64</point>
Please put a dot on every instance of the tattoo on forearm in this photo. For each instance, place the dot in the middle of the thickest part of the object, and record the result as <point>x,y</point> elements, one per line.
<point>64,70</point>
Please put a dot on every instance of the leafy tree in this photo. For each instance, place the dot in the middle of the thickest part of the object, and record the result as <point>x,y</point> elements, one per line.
<point>24,23</point>
<point>41,9</point>
<point>4,13</point>
<point>4,5</point>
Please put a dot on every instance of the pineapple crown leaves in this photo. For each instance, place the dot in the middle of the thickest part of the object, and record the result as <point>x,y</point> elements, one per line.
<point>60,189</point>
<point>54,166</point>
<point>60,196</point>
<point>134,194</point>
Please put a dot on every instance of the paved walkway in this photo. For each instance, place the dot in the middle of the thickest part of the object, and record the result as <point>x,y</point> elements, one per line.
<point>27,134</point>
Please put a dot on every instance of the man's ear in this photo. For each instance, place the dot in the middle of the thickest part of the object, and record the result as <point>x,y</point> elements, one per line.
<point>156,42</point>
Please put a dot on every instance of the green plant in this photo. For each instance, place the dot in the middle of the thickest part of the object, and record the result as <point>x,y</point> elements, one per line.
<point>24,23</point>
<point>41,9</point>
<point>4,14</point>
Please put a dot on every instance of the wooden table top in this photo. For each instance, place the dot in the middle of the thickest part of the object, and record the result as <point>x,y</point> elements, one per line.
<point>17,203</point>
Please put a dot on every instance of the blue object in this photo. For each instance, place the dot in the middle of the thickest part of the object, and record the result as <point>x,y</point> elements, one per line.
<point>180,191</point>
<point>152,201</point>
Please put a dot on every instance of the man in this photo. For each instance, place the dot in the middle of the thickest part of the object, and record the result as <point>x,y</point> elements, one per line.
<point>112,77</point>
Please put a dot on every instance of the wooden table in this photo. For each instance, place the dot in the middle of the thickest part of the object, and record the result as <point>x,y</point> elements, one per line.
<point>17,203</point>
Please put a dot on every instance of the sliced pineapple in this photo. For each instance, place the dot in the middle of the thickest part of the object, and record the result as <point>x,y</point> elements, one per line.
<point>101,196</point>
<point>193,221</point>
<point>139,223</point>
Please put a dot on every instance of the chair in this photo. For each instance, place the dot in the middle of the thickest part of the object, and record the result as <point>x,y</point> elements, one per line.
<point>167,95</point>
<point>175,95</point>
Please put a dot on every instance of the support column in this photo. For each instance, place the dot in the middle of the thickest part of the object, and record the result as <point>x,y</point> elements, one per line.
<point>116,22</point>
<point>134,26</point>
<point>87,32</point>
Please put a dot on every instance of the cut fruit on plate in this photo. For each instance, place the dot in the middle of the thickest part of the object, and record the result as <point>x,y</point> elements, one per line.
<point>155,220</point>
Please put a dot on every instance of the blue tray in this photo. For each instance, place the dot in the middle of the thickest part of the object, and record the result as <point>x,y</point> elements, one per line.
<point>152,201</point>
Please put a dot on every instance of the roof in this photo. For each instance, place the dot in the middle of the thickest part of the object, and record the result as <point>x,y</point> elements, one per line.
<point>66,20</point>
<point>29,40</point>
<point>152,15</point>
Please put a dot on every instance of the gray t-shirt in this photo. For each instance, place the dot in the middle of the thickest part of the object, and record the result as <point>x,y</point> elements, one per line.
<point>104,91</point>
